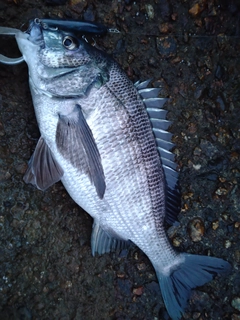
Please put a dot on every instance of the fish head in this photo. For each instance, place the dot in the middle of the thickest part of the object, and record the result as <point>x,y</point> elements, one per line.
<point>60,62</point>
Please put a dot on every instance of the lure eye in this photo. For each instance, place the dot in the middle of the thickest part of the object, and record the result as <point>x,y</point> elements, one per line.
<point>69,43</point>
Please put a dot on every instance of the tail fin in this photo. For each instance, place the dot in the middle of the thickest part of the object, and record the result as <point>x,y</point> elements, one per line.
<point>193,272</point>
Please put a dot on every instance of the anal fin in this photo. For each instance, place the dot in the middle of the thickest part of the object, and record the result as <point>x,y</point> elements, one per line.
<point>104,242</point>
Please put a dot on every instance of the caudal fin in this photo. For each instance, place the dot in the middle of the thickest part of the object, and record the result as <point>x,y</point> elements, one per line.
<point>193,272</point>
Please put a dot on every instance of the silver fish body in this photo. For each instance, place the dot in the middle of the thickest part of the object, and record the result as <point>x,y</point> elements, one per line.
<point>97,138</point>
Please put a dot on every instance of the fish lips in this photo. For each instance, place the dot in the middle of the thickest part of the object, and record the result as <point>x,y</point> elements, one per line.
<point>35,32</point>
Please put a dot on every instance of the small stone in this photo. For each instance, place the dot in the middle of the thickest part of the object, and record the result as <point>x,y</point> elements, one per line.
<point>187,196</point>
<point>237,225</point>
<point>177,242</point>
<point>198,92</point>
<point>68,284</point>
<point>165,27</point>
<point>136,255</point>
<point>196,315</point>
<point>222,40</point>
<point>150,11</point>
<point>221,191</point>
<point>167,46</point>
<point>236,303</point>
<point>78,5</point>
<point>237,256</point>
<point>225,216</point>
<point>40,306</point>
<point>234,156</point>
<point>195,10</point>
<point>197,166</point>
<point>174,16</point>
<point>192,128</point>
<point>21,168</point>
<point>196,229</point>
<point>121,275</point>
<point>152,62</point>
<point>45,289</point>
<point>197,151</point>
<point>215,225</point>
<point>141,266</point>
<point>2,132</point>
<point>227,244</point>
<point>138,291</point>
<point>4,175</point>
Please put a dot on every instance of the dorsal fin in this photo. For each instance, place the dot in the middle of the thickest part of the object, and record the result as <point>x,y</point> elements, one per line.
<point>157,116</point>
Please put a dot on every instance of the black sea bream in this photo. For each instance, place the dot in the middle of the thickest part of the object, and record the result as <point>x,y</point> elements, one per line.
<point>105,139</point>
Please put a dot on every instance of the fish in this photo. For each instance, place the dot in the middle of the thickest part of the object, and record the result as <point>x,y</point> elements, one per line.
<point>106,139</point>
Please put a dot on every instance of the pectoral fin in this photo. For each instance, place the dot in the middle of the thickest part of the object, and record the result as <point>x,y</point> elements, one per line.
<point>43,170</point>
<point>76,143</point>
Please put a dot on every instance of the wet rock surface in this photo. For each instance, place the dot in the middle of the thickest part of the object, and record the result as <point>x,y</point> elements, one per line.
<point>46,269</point>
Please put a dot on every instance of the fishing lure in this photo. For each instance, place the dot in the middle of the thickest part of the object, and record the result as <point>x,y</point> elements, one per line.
<point>82,28</point>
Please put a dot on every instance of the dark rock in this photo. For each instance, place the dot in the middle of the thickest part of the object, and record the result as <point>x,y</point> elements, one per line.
<point>124,286</point>
<point>164,9</point>
<point>166,46</point>
<point>89,14</point>
<point>219,73</point>
<point>56,2</point>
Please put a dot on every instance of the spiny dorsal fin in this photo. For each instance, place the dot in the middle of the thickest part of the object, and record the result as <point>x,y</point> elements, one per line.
<point>157,116</point>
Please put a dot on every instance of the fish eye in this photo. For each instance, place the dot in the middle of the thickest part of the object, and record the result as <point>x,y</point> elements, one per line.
<point>69,43</point>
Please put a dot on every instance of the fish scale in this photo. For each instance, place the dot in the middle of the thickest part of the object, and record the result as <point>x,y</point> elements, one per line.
<point>106,140</point>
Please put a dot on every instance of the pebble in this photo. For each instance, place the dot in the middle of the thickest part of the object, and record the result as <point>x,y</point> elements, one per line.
<point>236,303</point>
<point>141,266</point>
<point>227,244</point>
<point>222,41</point>
<point>4,175</point>
<point>219,72</point>
<point>165,27</point>
<point>237,256</point>
<point>196,315</point>
<point>196,229</point>
<point>199,92</point>
<point>138,291</point>
<point>215,225</point>
<point>56,2</point>
<point>177,242</point>
<point>195,10</point>
<point>166,46</point>
<point>192,127</point>
<point>2,133</point>
<point>150,11</point>
<point>221,191</point>
<point>78,5</point>
<point>68,284</point>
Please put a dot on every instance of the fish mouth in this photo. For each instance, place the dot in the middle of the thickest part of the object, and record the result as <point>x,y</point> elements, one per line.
<point>35,32</point>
